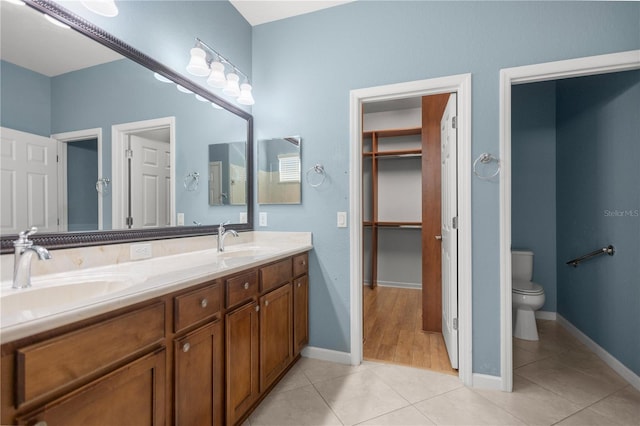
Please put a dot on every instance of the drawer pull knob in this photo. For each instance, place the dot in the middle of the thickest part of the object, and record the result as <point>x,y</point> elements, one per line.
<point>41,423</point>
<point>246,286</point>
<point>299,284</point>
<point>258,308</point>
<point>186,347</point>
<point>204,303</point>
<point>266,303</point>
<point>303,263</point>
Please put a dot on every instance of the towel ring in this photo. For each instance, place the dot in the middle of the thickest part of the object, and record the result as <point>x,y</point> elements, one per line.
<point>318,169</point>
<point>486,158</point>
<point>191,181</point>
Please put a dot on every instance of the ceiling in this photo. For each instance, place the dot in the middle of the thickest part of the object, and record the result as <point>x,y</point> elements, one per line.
<point>258,12</point>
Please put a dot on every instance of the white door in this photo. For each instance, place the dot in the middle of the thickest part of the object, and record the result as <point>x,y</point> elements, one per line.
<point>215,183</point>
<point>449,231</point>
<point>150,182</point>
<point>29,182</point>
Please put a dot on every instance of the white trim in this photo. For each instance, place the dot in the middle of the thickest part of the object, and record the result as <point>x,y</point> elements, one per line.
<point>485,381</point>
<point>63,139</point>
<point>546,315</point>
<point>614,62</point>
<point>395,284</point>
<point>119,134</point>
<point>602,353</point>
<point>461,84</point>
<point>326,355</point>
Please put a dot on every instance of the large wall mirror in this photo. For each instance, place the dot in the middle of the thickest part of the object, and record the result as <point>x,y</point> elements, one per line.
<point>136,142</point>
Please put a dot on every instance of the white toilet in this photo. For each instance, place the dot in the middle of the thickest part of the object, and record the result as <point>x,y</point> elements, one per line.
<point>526,296</point>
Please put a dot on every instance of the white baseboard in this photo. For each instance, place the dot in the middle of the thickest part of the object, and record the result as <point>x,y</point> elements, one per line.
<point>485,381</point>
<point>327,355</point>
<point>546,315</point>
<point>605,356</point>
<point>396,284</point>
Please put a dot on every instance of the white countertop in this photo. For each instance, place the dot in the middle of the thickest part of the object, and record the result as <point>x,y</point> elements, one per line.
<point>63,297</point>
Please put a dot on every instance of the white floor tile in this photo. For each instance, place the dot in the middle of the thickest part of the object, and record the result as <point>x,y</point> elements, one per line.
<point>416,384</point>
<point>359,396</point>
<point>464,407</point>
<point>408,416</point>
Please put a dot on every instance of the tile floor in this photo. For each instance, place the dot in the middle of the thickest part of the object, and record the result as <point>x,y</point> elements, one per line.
<point>556,381</point>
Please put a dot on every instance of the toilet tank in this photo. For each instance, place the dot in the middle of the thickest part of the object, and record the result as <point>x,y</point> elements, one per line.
<point>522,265</point>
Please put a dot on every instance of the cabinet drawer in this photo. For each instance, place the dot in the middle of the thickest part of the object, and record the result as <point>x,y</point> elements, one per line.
<point>241,288</point>
<point>197,305</point>
<point>61,361</point>
<point>300,264</point>
<point>273,275</point>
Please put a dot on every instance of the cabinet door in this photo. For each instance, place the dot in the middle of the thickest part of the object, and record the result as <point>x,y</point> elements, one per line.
<point>199,378</point>
<point>241,360</point>
<point>300,313</point>
<point>133,394</point>
<point>276,334</point>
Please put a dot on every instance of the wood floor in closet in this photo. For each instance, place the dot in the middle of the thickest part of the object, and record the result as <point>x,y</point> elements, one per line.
<point>393,330</point>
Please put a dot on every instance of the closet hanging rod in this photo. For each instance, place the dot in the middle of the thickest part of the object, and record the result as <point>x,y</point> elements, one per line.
<point>604,250</point>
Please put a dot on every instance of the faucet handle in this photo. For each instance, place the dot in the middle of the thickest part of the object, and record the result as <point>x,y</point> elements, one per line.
<point>23,237</point>
<point>221,227</point>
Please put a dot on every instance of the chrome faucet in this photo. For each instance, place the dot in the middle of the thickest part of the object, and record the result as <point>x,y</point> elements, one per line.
<point>24,250</point>
<point>222,234</point>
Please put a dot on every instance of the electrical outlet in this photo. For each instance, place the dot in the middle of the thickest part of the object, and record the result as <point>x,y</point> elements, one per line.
<point>243,217</point>
<point>140,251</point>
<point>342,219</point>
<point>180,219</point>
<point>263,219</point>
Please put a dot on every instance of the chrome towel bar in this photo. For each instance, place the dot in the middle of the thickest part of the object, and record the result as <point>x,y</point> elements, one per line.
<point>604,250</point>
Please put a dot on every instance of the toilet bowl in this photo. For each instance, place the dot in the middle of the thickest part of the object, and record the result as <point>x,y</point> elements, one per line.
<point>526,295</point>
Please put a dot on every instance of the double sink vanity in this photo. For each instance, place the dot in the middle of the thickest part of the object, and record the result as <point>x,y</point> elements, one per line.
<point>190,336</point>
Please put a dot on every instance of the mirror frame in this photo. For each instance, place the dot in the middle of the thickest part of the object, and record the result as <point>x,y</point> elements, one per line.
<point>61,240</point>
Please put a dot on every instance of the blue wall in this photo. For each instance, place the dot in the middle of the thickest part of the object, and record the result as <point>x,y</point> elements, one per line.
<point>25,100</point>
<point>533,180</point>
<point>598,155</point>
<point>304,68</point>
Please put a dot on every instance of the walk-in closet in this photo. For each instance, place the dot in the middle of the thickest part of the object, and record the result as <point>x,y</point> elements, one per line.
<point>401,183</point>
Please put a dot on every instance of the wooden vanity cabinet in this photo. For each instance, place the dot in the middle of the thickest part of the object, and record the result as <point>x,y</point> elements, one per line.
<point>242,356</point>
<point>198,357</point>
<point>206,355</point>
<point>276,334</point>
<point>133,394</point>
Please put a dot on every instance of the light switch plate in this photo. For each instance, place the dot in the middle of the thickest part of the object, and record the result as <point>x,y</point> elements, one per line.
<point>180,219</point>
<point>342,219</point>
<point>243,217</point>
<point>140,251</point>
<point>263,219</point>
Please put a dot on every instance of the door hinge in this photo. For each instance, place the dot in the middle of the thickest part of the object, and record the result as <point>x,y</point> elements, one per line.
<point>128,153</point>
<point>455,324</point>
<point>130,221</point>
<point>57,158</point>
<point>454,222</point>
<point>454,122</point>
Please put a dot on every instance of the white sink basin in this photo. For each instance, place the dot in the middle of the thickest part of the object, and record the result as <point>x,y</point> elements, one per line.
<point>57,294</point>
<point>245,252</point>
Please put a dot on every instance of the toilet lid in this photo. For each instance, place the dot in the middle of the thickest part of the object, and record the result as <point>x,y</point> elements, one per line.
<point>526,287</point>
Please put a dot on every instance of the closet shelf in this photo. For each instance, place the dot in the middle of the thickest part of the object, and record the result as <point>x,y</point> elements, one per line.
<point>388,133</point>
<point>408,225</point>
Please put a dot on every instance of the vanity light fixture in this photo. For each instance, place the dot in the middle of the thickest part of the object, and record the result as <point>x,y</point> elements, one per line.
<point>161,78</point>
<point>106,8</point>
<point>183,89</point>
<point>206,61</point>
<point>16,2</point>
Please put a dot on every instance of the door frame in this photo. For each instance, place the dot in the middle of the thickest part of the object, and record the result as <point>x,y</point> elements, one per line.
<point>579,67</point>
<point>119,135</point>
<point>461,85</point>
<point>64,138</point>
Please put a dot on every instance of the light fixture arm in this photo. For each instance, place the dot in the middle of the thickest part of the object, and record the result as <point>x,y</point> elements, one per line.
<point>222,59</point>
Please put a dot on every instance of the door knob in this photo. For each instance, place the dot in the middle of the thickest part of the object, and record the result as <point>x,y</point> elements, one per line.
<point>439,237</point>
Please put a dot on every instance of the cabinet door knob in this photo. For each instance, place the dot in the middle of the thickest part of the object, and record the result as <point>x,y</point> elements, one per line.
<point>257,308</point>
<point>246,286</point>
<point>266,303</point>
<point>303,263</point>
<point>186,347</point>
<point>41,423</point>
<point>204,303</point>
<point>299,284</point>
<point>438,237</point>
